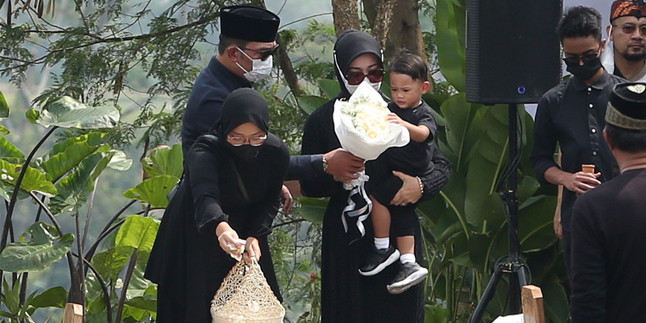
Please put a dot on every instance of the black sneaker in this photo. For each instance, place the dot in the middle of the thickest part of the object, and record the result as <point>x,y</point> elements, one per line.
<point>377,260</point>
<point>409,275</point>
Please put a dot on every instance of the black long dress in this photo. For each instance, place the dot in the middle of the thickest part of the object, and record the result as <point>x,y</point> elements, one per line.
<point>346,296</point>
<point>187,262</point>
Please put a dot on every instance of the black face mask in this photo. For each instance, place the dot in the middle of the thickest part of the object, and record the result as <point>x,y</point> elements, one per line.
<point>586,71</point>
<point>244,153</point>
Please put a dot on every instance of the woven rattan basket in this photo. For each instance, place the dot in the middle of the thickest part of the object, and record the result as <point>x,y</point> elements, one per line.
<point>245,297</point>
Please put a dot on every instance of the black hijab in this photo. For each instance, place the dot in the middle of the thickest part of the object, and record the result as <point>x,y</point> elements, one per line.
<point>351,44</point>
<point>241,106</point>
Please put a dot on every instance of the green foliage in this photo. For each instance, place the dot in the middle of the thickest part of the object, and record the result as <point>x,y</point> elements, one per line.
<point>62,179</point>
<point>40,246</point>
<point>164,160</point>
<point>329,88</point>
<point>53,297</point>
<point>34,180</point>
<point>75,188</point>
<point>8,150</point>
<point>137,233</point>
<point>450,24</point>
<point>295,248</point>
<point>4,108</point>
<point>17,311</point>
<point>312,209</point>
<point>153,190</point>
<point>69,113</point>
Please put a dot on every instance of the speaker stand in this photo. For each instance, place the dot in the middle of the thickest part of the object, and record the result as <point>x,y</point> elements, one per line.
<point>513,265</point>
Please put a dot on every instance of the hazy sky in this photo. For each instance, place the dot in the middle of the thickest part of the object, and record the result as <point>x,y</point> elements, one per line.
<point>602,5</point>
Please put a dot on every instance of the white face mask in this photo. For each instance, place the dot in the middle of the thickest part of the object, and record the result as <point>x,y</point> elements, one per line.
<point>352,88</point>
<point>259,69</point>
<point>608,54</point>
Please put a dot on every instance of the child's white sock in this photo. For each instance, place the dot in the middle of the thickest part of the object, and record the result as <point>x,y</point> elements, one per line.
<point>382,243</point>
<point>407,257</point>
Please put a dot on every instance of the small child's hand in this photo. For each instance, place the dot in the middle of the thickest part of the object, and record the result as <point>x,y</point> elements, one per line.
<point>394,118</point>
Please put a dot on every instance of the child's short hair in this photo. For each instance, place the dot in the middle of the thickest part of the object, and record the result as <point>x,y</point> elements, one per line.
<point>410,64</point>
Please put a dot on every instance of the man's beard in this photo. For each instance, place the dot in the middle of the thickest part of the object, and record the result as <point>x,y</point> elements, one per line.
<point>634,57</point>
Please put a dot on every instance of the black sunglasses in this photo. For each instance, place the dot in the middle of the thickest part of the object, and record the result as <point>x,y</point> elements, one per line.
<point>356,77</point>
<point>586,58</point>
<point>630,29</point>
<point>264,54</point>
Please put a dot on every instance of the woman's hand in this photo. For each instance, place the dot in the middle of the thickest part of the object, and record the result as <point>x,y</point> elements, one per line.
<point>252,250</point>
<point>410,191</point>
<point>229,240</point>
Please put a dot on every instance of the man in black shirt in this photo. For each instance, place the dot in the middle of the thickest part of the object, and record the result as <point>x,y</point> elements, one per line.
<point>572,115</point>
<point>609,222</point>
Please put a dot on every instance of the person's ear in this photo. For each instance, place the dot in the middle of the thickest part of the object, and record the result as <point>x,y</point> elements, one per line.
<point>231,53</point>
<point>609,32</point>
<point>426,86</point>
<point>608,140</point>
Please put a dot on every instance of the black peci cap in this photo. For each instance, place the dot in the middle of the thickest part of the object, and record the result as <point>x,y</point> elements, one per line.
<point>249,23</point>
<point>627,106</point>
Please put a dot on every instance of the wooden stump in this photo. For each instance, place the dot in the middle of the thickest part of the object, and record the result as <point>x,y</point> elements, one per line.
<point>533,311</point>
<point>73,313</point>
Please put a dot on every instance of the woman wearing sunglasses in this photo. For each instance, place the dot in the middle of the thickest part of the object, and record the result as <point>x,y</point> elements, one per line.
<point>227,201</point>
<point>346,296</point>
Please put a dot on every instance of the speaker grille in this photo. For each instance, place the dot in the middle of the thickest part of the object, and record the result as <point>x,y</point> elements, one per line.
<point>513,50</point>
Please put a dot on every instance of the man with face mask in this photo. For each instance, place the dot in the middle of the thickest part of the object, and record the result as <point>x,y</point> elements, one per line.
<point>572,115</point>
<point>625,52</point>
<point>247,44</point>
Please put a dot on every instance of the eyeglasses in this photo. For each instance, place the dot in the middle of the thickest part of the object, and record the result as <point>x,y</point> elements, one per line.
<point>239,141</point>
<point>356,77</point>
<point>630,29</point>
<point>264,54</point>
<point>586,58</point>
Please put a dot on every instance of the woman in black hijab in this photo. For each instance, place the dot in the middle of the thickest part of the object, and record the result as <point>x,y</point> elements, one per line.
<point>346,296</point>
<point>229,198</point>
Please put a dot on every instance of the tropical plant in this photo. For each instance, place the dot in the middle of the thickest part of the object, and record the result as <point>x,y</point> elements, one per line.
<point>61,182</point>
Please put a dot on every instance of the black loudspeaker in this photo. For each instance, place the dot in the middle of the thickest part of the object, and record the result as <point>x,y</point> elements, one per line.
<point>513,50</point>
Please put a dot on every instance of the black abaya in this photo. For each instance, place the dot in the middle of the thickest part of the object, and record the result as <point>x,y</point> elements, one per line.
<point>346,296</point>
<point>187,262</point>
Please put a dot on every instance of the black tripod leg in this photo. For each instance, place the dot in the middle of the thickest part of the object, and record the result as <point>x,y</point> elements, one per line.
<point>516,282</point>
<point>487,296</point>
<point>514,294</point>
<point>522,278</point>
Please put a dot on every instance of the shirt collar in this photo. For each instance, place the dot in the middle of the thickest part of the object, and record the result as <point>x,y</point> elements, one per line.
<point>217,68</point>
<point>599,84</point>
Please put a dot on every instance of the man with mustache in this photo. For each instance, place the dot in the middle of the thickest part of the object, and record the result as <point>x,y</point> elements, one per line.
<point>625,55</point>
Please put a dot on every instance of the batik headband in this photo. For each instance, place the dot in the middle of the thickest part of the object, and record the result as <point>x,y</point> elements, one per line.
<point>622,8</point>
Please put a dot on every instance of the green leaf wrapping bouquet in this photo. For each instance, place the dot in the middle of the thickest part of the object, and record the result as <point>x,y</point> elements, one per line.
<point>362,127</point>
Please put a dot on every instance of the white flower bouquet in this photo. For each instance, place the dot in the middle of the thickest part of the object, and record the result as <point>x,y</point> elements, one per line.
<point>362,127</point>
